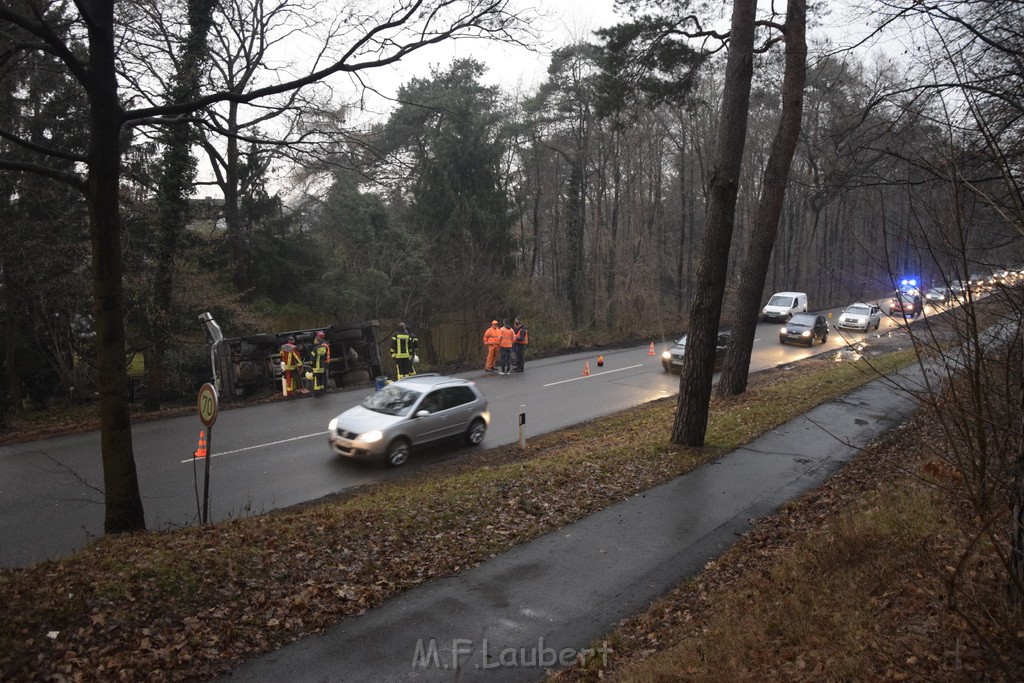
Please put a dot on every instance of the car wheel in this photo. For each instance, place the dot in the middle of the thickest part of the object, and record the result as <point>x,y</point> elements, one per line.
<point>476,432</point>
<point>398,453</point>
<point>824,338</point>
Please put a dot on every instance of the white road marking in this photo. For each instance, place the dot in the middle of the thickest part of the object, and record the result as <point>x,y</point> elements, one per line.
<point>606,372</point>
<point>260,445</point>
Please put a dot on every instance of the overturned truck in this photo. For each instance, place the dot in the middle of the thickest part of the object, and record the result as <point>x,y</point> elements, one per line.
<point>244,366</point>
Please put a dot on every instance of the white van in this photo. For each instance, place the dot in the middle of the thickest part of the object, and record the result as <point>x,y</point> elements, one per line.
<point>783,306</point>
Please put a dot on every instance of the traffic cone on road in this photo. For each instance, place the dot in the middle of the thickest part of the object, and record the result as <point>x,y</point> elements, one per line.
<point>201,451</point>
<point>650,351</point>
<point>586,368</point>
<point>600,361</point>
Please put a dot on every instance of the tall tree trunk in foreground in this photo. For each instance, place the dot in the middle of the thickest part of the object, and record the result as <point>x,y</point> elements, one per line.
<point>706,303</point>
<point>769,209</point>
<point>120,482</point>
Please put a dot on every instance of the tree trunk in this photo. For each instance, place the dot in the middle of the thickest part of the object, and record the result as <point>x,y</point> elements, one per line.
<point>706,303</point>
<point>121,487</point>
<point>1016,590</point>
<point>14,396</point>
<point>237,233</point>
<point>769,210</point>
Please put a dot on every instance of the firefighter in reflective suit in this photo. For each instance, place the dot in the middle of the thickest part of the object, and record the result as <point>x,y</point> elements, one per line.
<point>403,350</point>
<point>320,358</point>
<point>291,365</point>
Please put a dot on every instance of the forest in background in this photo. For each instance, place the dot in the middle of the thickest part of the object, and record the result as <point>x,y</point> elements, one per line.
<point>578,207</point>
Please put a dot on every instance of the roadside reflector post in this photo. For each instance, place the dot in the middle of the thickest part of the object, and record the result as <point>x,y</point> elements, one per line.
<point>522,429</point>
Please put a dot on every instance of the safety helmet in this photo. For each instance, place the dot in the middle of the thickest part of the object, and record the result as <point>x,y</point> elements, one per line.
<point>291,339</point>
<point>320,335</point>
<point>494,322</point>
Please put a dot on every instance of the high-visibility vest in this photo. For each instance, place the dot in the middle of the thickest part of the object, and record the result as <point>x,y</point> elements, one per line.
<point>522,335</point>
<point>290,356</point>
<point>321,356</point>
<point>507,337</point>
<point>492,336</point>
<point>403,345</point>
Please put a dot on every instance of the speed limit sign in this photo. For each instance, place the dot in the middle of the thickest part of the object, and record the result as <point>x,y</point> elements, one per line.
<point>208,404</point>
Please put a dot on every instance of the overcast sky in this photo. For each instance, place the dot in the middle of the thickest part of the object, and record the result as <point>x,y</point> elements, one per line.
<point>565,22</point>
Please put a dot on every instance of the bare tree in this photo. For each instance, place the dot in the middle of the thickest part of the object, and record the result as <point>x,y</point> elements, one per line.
<point>691,418</point>
<point>351,44</point>
<point>769,209</point>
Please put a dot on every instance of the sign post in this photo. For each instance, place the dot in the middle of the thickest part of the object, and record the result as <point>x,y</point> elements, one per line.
<point>522,428</point>
<point>207,415</point>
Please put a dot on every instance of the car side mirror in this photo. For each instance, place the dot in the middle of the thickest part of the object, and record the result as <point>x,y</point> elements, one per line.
<point>422,413</point>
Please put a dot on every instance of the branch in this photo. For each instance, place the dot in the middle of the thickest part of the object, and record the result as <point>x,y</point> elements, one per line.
<point>42,149</point>
<point>493,8</point>
<point>56,46</point>
<point>67,177</point>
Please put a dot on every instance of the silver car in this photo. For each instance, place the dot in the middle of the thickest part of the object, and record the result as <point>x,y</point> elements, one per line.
<point>409,413</point>
<point>861,317</point>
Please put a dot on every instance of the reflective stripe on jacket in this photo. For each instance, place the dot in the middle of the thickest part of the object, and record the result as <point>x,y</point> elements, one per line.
<point>492,336</point>
<point>522,335</point>
<point>403,345</point>
<point>507,337</point>
<point>321,356</point>
<point>290,356</point>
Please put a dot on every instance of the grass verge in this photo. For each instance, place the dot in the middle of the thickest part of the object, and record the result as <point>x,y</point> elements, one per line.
<point>193,603</point>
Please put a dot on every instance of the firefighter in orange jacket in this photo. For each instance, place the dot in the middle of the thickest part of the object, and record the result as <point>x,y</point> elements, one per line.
<point>320,359</point>
<point>492,340</point>
<point>291,364</point>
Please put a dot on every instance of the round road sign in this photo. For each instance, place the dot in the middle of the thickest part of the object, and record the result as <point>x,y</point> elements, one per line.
<point>207,404</point>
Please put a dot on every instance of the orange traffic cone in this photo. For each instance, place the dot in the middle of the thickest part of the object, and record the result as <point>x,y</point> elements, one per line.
<point>600,361</point>
<point>586,368</point>
<point>650,351</point>
<point>201,451</point>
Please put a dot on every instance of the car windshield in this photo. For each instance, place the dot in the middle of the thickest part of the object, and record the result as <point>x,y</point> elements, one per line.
<point>391,400</point>
<point>682,341</point>
<point>859,309</point>
<point>802,321</point>
<point>776,300</point>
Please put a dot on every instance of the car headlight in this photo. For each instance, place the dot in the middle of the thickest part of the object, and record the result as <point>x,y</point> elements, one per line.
<point>372,437</point>
<point>805,333</point>
<point>666,355</point>
<point>785,330</point>
<point>332,425</point>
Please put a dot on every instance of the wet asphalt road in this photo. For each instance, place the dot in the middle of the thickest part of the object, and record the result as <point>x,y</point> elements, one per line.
<point>275,455</point>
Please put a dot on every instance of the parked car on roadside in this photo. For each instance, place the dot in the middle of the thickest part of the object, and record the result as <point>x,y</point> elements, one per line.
<point>407,414</point>
<point>783,306</point>
<point>805,328</point>
<point>907,304</point>
<point>938,295</point>
<point>672,359</point>
<point>861,317</point>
